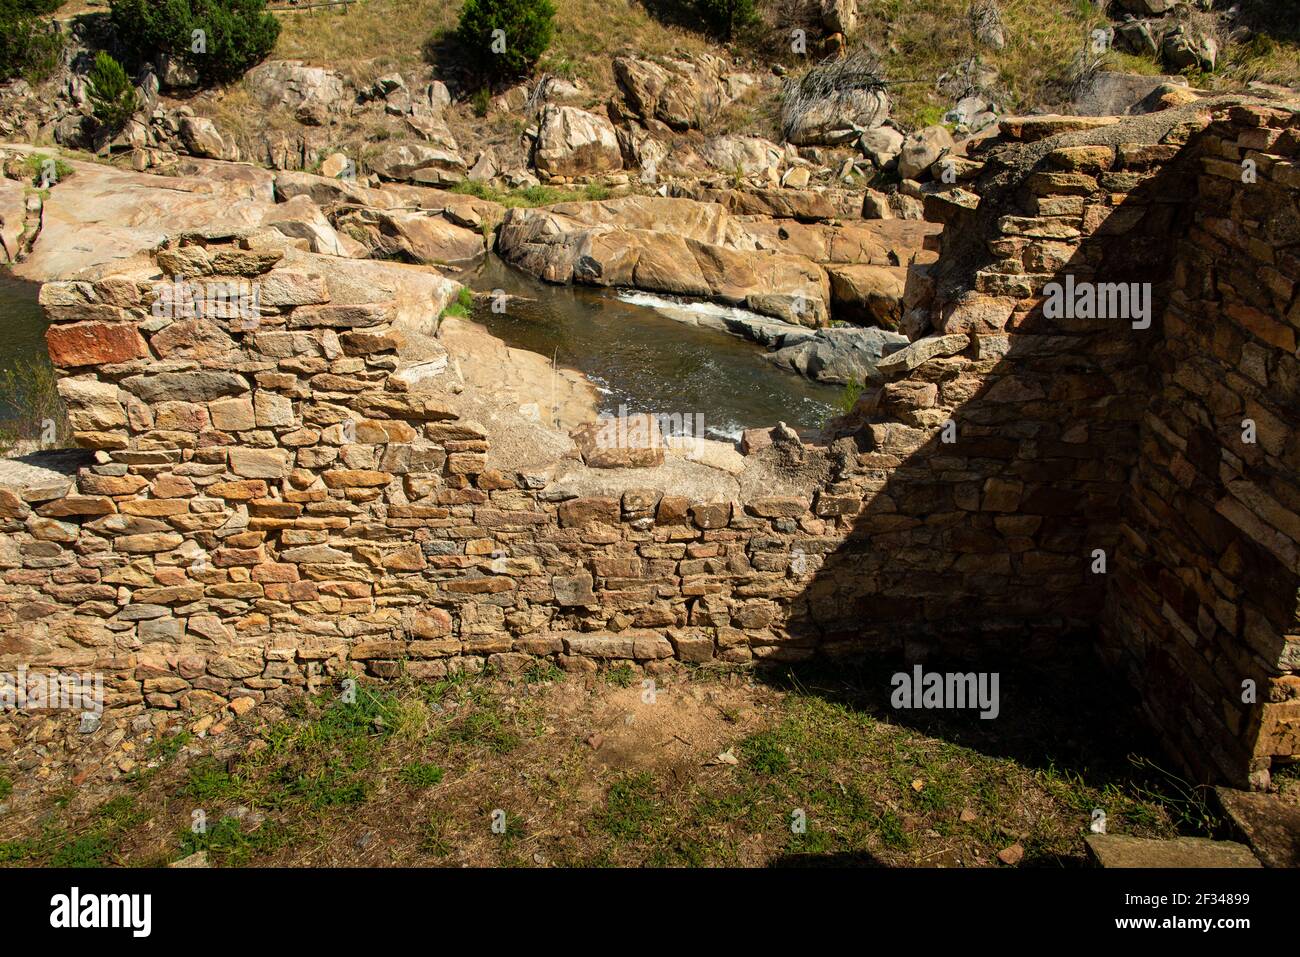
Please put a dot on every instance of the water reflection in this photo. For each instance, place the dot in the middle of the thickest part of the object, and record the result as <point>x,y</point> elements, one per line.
<point>643,361</point>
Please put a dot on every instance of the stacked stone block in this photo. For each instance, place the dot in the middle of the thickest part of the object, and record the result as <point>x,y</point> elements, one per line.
<point>278,500</point>
<point>1203,611</point>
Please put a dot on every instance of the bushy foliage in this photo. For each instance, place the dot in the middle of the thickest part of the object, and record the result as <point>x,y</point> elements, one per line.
<point>29,46</point>
<point>112,94</point>
<point>235,34</point>
<point>727,16</point>
<point>526,28</point>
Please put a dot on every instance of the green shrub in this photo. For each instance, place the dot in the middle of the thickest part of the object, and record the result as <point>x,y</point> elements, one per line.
<point>237,34</point>
<point>526,29</point>
<point>727,16</point>
<point>111,94</point>
<point>29,46</point>
<point>849,397</point>
<point>36,165</point>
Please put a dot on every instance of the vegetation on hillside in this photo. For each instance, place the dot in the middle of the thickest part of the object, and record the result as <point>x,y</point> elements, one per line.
<point>218,39</point>
<point>926,48</point>
<point>1272,54</point>
<point>727,16</point>
<point>29,46</point>
<point>112,95</point>
<point>504,39</point>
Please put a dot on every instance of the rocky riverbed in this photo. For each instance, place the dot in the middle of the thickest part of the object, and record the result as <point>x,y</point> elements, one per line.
<point>649,259</point>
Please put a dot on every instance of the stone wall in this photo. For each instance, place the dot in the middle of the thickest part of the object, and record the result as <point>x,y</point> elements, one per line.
<point>277,499</point>
<point>1203,609</point>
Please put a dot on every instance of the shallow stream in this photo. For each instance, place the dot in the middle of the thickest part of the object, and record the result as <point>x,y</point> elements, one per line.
<point>642,360</point>
<point>637,356</point>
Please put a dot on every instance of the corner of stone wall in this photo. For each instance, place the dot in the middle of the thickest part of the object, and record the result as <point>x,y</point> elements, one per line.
<point>1202,611</point>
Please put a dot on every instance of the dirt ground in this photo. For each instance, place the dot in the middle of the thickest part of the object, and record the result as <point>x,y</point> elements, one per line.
<point>614,769</point>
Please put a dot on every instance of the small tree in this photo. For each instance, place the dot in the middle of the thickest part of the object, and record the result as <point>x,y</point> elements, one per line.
<point>112,95</point>
<point>29,46</point>
<point>727,16</point>
<point>219,39</point>
<point>505,38</point>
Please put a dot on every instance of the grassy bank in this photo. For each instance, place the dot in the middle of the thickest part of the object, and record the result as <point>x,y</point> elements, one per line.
<point>545,769</point>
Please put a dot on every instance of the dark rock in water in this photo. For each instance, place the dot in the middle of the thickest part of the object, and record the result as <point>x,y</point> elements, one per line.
<point>839,354</point>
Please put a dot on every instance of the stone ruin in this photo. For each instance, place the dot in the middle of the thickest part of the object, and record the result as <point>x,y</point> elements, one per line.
<point>270,499</point>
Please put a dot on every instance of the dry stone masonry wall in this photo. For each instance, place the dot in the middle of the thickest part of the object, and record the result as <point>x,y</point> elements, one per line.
<point>278,496</point>
<point>1203,608</point>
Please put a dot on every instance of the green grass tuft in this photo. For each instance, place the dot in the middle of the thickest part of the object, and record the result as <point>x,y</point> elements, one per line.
<point>630,806</point>
<point>419,774</point>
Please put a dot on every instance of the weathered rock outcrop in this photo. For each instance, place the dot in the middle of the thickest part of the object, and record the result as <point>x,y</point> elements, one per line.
<point>805,205</point>
<point>869,242</point>
<point>872,295</point>
<point>688,248</point>
<point>923,149</point>
<point>663,245</point>
<point>423,163</point>
<point>840,118</point>
<point>202,138</point>
<point>1108,93</point>
<point>418,237</point>
<point>744,155</point>
<point>573,142</point>
<point>311,94</point>
<point>300,218</point>
<point>683,94</point>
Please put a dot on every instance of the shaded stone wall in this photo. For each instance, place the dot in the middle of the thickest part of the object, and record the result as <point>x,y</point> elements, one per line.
<point>1202,613</point>
<point>274,501</point>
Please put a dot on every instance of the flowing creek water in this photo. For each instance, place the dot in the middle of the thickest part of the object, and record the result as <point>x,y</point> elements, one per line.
<point>642,360</point>
<point>639,358</point>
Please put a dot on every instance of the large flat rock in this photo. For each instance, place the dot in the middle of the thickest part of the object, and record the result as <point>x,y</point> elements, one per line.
<point>1120,850</point>
<point>1109,93</point>
<point>101,214</point>
<point>1270,827</point>
<point>673,246</point>
<point>41,476</point>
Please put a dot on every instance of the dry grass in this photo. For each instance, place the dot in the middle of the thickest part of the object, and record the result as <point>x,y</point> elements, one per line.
<point>32,415</point>
<point>372,38</point>
<point>919,40</point>
<point>378,36</point>
<point>589,771</point>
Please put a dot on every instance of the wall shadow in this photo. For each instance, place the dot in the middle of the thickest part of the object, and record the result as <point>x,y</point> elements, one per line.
<point>1067,713</point>
<point>977,555</point>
